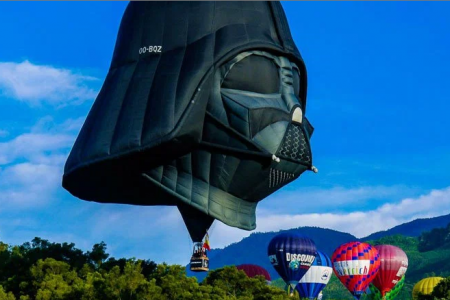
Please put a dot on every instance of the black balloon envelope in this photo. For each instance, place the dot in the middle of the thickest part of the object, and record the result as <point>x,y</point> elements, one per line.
<point>203,108</point>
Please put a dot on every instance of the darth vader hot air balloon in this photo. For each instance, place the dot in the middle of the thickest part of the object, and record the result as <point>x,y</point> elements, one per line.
<point>317,277</point>
<point>291,255</point>
<point>203,108</point>
<point>393,265</point>
<point>356,264</point>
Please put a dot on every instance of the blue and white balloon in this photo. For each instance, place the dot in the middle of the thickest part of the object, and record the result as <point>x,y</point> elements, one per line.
<point>291,255</point>
<point>317,277</point>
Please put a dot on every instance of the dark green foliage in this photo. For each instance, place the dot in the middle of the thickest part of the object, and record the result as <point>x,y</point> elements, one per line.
<point>421,296</point>
<point>436,238</point>
<point>442,290</point>
<point>236,284</point>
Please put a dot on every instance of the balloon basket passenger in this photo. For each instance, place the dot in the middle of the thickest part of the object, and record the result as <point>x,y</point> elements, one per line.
<point>199,260</point>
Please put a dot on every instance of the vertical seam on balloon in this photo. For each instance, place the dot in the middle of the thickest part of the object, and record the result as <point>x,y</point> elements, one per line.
<point>245,25</point>
<point>125,94</point>
<point>91,120</point>
<point>181,68</point>
<point>121,110</point>
<point>153,84</point>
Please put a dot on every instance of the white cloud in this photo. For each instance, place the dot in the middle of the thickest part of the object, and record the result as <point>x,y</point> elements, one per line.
<point>309,199</point>
<point>27,185</point>
<point>31,145</point>
<point>32,164</point>
<point>37,84</point>
<point>46,142</point>
<point>358,223</point>
<point>72,125</point>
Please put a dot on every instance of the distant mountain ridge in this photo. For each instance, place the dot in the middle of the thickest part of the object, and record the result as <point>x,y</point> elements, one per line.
<point>253,249</point>
<point>413,228</point>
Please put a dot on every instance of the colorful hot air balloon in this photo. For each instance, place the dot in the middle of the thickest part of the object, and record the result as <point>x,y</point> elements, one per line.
<point>317,277</point>
<point>254,270</point>
<point>393,265</point>
<point>425,286</point>
<point>375,293</point>
<point>291,255</point>
<point>356,264</point>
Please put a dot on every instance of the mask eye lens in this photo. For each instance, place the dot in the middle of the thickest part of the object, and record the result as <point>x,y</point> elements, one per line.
<point>254,73</point>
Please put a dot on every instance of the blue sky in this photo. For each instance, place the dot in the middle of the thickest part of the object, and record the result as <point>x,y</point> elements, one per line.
<point>378,75</point>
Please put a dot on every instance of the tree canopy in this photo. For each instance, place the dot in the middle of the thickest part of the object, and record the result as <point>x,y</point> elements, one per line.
<point>43,270</point>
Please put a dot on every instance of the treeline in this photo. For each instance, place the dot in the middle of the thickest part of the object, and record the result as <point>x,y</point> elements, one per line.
<point>42,270</point>
<point>436,238</point>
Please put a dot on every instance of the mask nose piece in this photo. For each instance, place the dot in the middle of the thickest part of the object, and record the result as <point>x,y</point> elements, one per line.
<point>297,116</point>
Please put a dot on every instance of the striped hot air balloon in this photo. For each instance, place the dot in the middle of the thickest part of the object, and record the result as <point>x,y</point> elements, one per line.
<point>393,265</point>
<point>317,277</point>
<point>356,264</point>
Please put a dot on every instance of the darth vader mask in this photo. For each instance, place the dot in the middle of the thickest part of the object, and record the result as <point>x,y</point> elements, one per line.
<point>212,120</point>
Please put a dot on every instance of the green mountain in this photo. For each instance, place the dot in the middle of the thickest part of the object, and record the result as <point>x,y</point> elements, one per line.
<point>413,228</point>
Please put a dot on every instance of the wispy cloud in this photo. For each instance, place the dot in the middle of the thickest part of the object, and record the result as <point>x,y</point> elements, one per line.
<point>28,185</point>
<point>358,223</point>
<point>332,199</point>
<point>32,145</point>
<point>37,84</point>
<point>31,164</point>
<point>46,139</point>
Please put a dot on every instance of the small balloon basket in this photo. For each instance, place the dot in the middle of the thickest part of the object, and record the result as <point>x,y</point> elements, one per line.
<point>199,264</point>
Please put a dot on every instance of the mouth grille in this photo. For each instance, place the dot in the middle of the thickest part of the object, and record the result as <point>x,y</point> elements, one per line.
<point>295,145</point>
<point>277,177</point>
